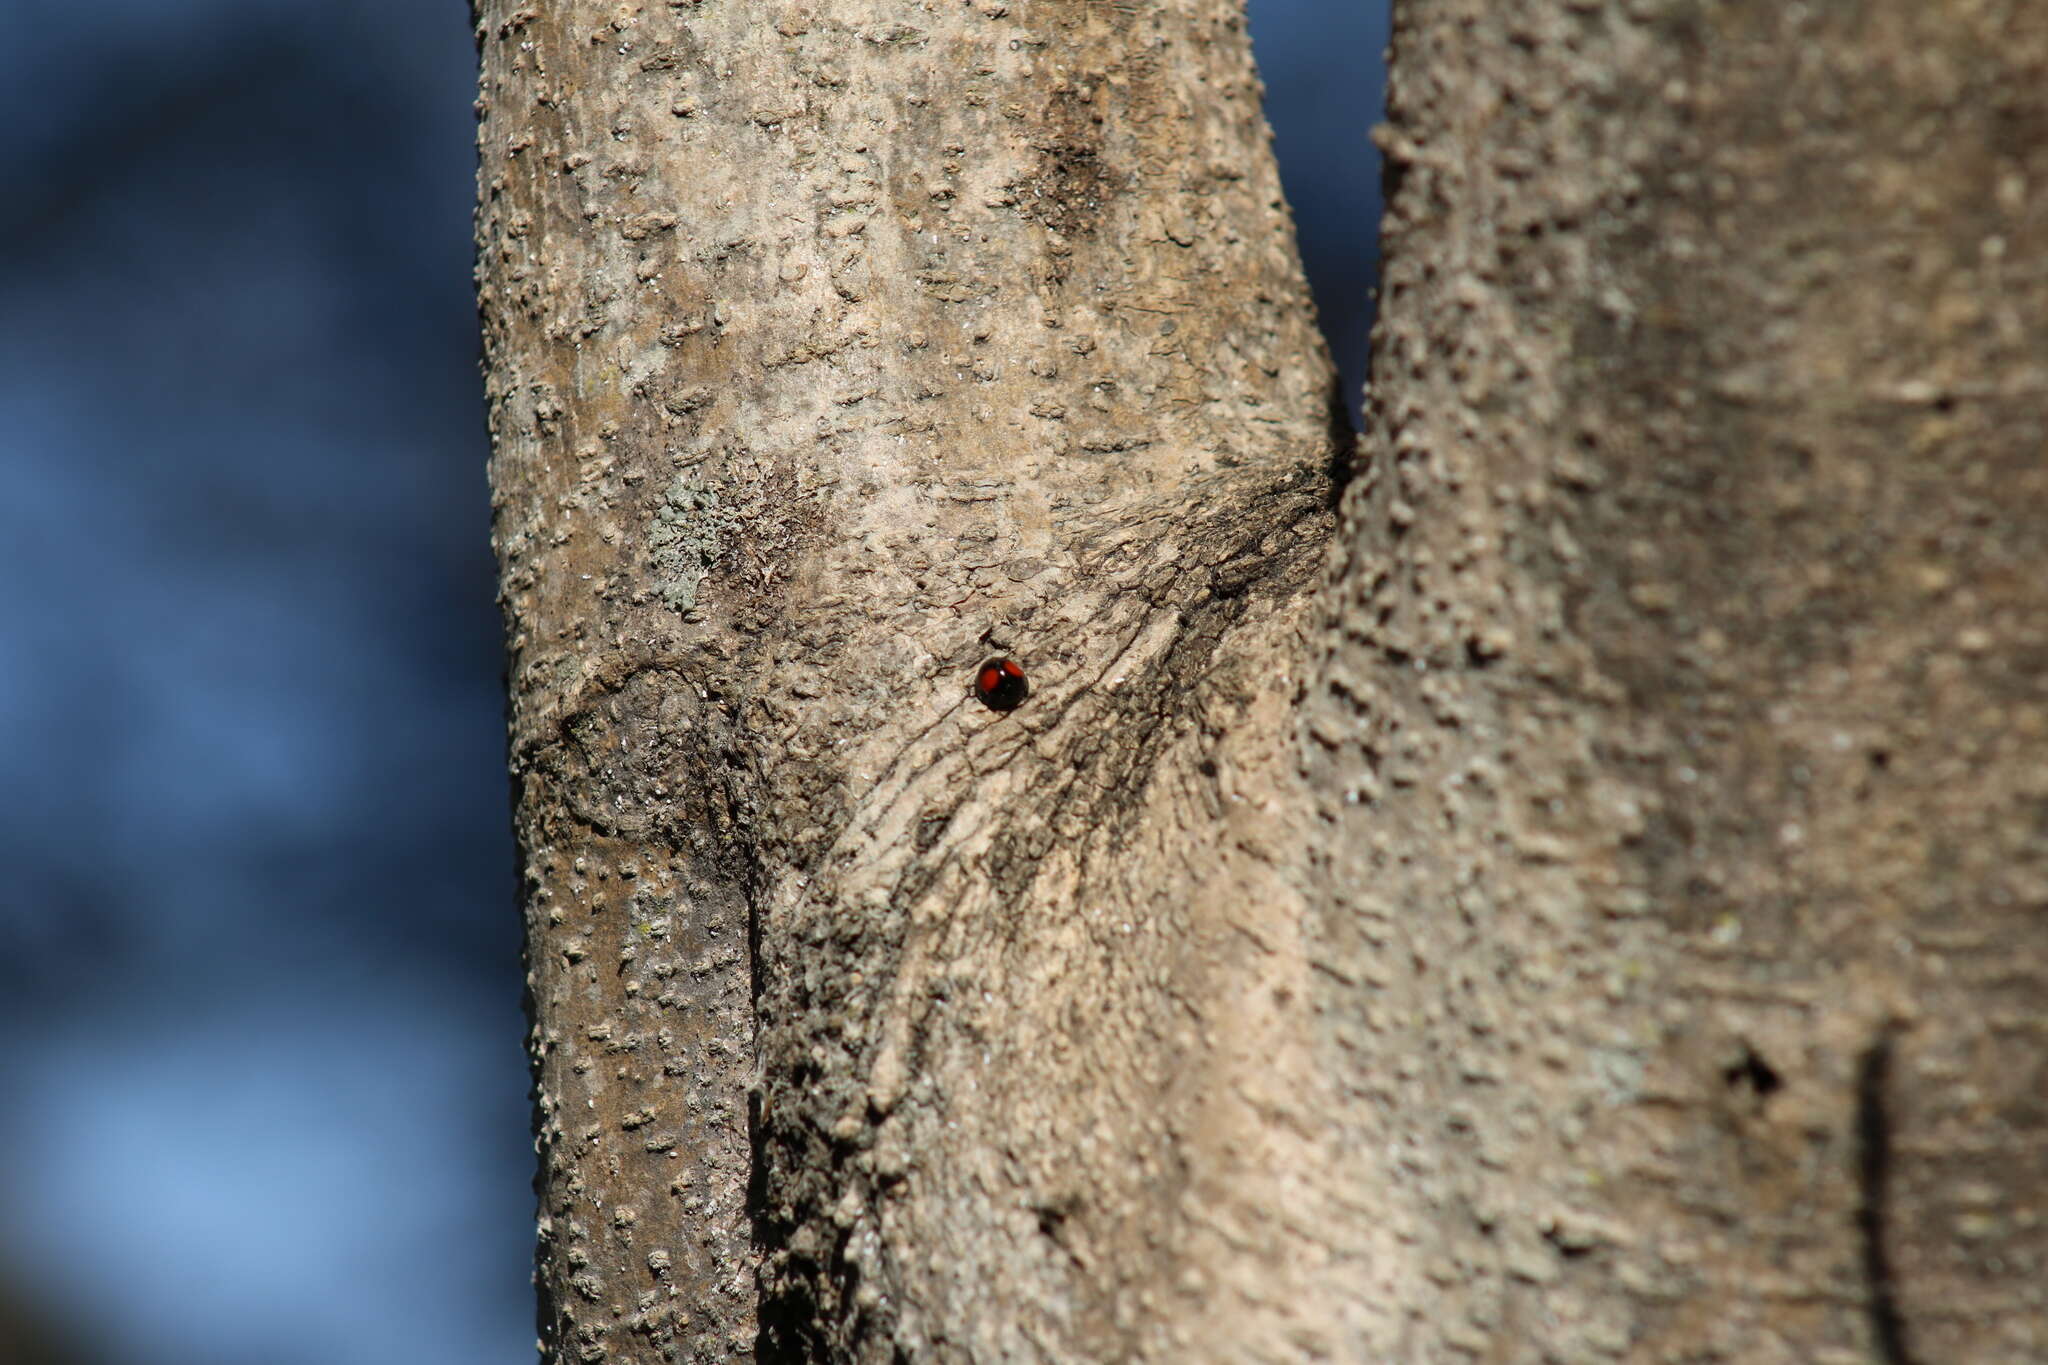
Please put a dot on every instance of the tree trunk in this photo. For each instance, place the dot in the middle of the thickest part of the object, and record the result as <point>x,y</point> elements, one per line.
<point>1598,913</point>
<point>1680,744</point>
<point>831,355</point>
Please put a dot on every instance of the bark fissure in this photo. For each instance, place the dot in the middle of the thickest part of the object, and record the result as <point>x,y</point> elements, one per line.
<point>1874,1171</point>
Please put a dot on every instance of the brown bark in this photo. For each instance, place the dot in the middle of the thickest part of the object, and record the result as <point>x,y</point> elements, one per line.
<point>1602,914</point>
<point>832,351</point>
<point>1682,737</point>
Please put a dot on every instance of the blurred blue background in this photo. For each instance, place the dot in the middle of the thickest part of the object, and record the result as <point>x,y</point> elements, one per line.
<point>260,1040</point>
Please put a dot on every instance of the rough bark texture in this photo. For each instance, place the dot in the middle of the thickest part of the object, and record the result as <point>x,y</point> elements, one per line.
<point>832,350</point>
<point>1681,739</point>
<point>1598,911</point>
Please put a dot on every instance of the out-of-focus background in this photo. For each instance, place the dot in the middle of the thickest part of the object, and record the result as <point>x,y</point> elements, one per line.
<point>262,1093</point>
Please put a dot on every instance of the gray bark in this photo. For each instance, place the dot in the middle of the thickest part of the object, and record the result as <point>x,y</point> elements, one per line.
<point>1589,906</point>
<point>1680,748</point>
<point>832,351</point>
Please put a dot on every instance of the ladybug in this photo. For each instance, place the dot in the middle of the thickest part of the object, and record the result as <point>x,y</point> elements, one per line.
<point>1000,685</point>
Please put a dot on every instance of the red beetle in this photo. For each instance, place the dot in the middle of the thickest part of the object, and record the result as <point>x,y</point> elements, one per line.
<point>1000,685</point>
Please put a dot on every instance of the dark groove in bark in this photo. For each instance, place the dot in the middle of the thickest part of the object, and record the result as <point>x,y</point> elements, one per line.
<point>1874,1163</point>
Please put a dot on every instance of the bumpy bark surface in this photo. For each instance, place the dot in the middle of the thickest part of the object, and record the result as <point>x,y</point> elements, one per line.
<point>1682,735</point>
<point>832,350</point>
<point>1599,911</point>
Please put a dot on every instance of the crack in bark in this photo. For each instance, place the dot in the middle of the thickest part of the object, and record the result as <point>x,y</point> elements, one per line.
<point>1874,1173</point>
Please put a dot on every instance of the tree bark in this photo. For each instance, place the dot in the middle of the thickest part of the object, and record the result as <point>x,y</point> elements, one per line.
<point>1591,906</point>
<point>831,352</point>
<point>1680,746</point>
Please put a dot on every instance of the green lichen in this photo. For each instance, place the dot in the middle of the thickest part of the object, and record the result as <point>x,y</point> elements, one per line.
<point>683,539</point>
